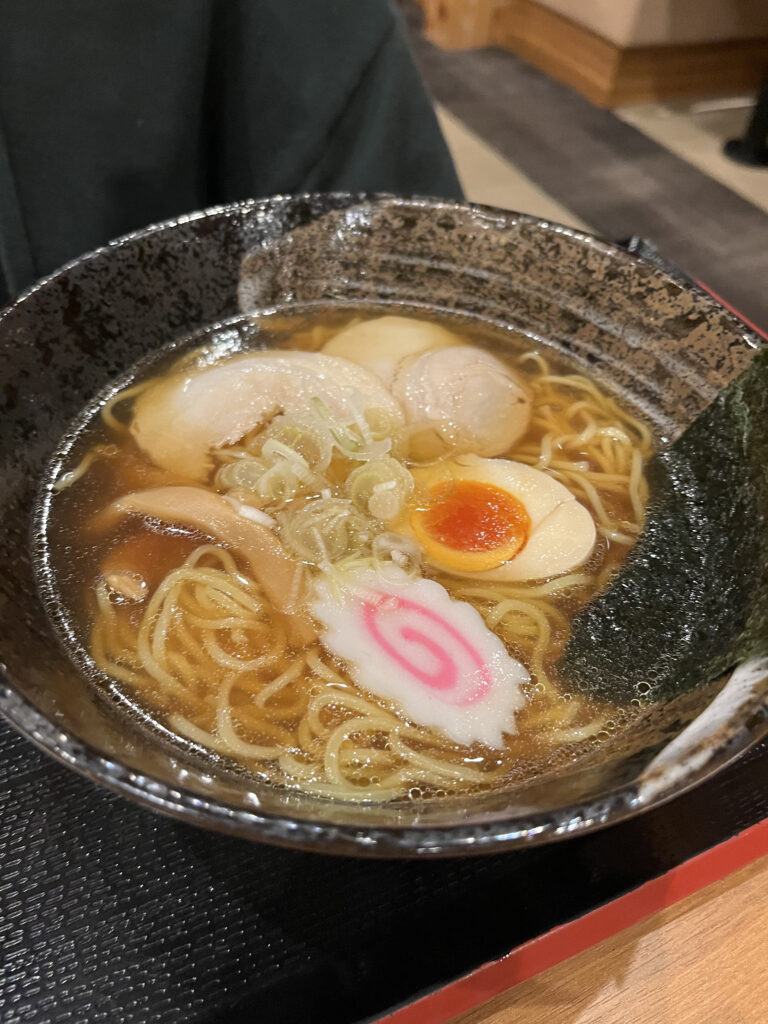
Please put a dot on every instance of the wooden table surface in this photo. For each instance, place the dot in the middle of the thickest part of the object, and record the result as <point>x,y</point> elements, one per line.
<point>702,961</point>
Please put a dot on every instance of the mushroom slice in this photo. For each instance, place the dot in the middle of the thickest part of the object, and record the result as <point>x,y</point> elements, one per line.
<point>281,577</point>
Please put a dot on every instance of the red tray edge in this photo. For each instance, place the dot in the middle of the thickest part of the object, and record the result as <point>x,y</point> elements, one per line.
<point>566,940</point>
<point>732,309</point>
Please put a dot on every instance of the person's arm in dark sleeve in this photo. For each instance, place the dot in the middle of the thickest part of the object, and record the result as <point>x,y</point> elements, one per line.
<point>387,139</point>
<point>118,113</point>
<point>325,97</point>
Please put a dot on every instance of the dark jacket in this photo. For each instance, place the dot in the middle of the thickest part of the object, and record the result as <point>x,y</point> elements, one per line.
<point>118,113</point>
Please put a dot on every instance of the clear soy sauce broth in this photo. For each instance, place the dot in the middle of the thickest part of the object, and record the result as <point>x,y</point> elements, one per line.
<point>578,434</point>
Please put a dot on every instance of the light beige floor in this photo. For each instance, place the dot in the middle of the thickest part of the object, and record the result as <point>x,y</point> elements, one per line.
<point>696,131</point>
<point>487,177</point>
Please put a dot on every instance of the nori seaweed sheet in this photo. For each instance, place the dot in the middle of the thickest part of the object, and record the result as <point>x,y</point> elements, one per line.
<point>691,600</point>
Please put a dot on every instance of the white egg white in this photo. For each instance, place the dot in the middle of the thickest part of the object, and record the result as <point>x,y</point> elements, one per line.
<point>562,533</point>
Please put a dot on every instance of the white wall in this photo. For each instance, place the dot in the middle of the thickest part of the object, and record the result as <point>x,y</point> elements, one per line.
<point>654,22</point>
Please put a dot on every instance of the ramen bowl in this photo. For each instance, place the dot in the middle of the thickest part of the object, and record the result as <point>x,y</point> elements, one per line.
<point>662,344</point>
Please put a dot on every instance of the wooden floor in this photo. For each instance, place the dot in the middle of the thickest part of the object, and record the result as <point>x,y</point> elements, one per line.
<point>703,961</point>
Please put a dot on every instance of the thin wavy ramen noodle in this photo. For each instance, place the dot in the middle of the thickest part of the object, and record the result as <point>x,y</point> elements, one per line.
<point>205,654</point>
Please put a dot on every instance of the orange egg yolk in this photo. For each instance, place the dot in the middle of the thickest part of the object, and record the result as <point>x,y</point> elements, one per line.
<point>471,526</point>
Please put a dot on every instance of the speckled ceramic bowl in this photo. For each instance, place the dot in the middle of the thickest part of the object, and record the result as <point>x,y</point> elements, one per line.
<point>666,346</point>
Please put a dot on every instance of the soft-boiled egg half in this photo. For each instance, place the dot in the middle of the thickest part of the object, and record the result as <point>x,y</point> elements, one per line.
<point>494,519</point>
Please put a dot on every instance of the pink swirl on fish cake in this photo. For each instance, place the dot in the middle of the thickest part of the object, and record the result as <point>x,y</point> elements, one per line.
<point>406,640</point>
<point>445,675</point>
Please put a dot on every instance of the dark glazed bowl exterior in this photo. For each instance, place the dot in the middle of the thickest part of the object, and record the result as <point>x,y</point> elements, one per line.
<point>667,347</point>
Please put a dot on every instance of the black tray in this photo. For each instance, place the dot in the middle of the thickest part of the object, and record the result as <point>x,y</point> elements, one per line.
<point>109,913</point>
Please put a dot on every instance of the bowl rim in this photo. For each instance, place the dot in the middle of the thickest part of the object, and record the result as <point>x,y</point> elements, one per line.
<point>703,760</point>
